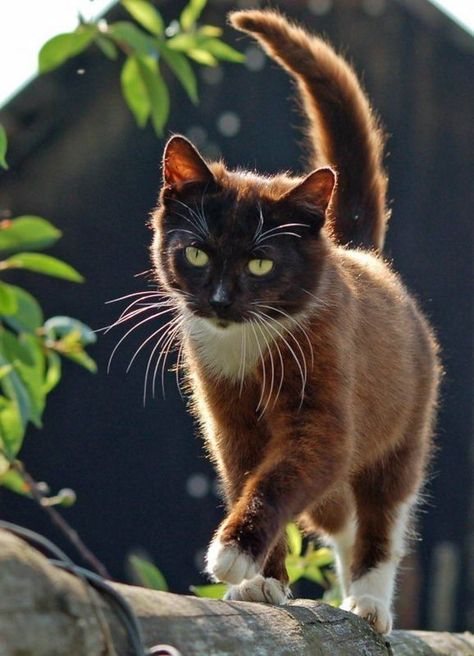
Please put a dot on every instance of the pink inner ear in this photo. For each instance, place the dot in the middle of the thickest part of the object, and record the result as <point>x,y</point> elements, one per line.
<point>316,189</point>
<point>182,163</point>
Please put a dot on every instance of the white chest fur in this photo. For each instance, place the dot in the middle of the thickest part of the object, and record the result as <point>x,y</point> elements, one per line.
<point>231,352</point>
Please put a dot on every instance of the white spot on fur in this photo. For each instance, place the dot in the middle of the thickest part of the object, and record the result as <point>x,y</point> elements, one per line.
<point>260,589</point>
<point>228,563</point>
<point>370,596</point>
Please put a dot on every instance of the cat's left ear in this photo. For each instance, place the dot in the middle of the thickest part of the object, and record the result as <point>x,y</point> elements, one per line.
<point>314,192</point>
<point>182,164</point>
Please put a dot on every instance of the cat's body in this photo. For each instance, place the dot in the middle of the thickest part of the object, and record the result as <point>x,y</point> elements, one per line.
<point>315,382</point>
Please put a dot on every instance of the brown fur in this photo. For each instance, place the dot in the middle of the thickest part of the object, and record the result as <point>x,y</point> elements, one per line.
<point>359,440</point>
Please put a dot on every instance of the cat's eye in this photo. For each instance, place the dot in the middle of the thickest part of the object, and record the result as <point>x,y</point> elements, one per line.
<point>196,256</point>
<point>260,267</point>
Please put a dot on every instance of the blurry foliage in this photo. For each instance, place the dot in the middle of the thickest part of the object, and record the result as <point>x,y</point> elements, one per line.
<point>147,44</point>
<point>30,347</point>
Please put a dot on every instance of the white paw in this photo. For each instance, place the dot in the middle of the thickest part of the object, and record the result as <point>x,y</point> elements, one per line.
<point>228,563</point>
<point>375,611</point>
<point>259,588</point>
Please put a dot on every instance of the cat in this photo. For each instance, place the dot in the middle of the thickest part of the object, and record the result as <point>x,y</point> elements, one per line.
<point>312,371</point>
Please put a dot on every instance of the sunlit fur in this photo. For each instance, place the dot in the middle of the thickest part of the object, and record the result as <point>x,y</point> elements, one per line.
<point>315,386</point>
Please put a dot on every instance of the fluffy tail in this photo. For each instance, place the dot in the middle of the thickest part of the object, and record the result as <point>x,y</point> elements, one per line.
<point>343,130</point>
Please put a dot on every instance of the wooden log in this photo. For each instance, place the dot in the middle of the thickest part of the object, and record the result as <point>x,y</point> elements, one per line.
<point>45,611</point>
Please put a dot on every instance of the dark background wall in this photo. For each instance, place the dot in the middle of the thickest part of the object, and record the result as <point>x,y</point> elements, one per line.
<point>77,159</point>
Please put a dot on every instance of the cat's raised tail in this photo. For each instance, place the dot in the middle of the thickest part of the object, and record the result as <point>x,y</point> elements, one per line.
<point>343,130</point>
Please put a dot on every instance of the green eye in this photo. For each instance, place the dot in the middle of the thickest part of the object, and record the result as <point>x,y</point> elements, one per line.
<point>260,267</point>
<point>196,256</point>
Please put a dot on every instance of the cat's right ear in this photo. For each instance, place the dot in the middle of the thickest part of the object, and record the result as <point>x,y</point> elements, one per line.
<point>183,165</point>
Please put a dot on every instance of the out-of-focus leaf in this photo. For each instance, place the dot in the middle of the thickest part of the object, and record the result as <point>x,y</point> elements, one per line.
<point>31,370</point>
<point>14,349</point>
<point>41,263</point>
<point>53,371</point>
<point>313,573</point>
<point>8,302</point>
<point>80,357</point>
<point>157,92</point>
<point>148,574</point>
<point>321,557</point>
<point>3,147</point>
<point>145,14</point>
<point>202,57</point>
<point>14,390</point>
<point>210,591</point>
<point>221,50</point>
<point>107,46</point>
<point>183,71</point>
<point>59,327</point>
<point>13,481</point>
<point>28,316</point>
<point>294,539</point>
<point>294,567</point>
<point>183,42</point>
<point>12,428</point>
<point>210,30</point>
<point>4,464</point>
<point>191,13</point>
<point>135,91</point>
<point>124,32</point>
<point>29,232</point>
<point>64,46</point>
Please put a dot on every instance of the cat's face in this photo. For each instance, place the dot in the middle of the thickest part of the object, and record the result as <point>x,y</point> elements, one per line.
<point>229,250</point>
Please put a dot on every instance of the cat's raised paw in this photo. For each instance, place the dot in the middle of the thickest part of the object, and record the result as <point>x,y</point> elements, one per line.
<point>259,588</point>
<point>228,563</point>
<point>375,611</point>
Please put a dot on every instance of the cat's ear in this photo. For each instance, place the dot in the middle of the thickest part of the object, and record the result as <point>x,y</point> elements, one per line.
<point>182,164</point>
<point>315,191</point>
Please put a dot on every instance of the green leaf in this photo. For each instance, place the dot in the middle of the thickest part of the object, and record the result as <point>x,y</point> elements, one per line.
<point>210,591</point>
<point>80,357</point>
<point>221,50</point>
<point>107,46</point>
<point>135,92</point>
<point>8,302</point>
<point>64,46</point>
<point>191,13</point>
<point>14,390</point>
<point>295,541</point>
<point>202,57</point>
<point>183,42</point>
<point>13,481</point>
<point>31,369</point>
<point>59,327</point>
<point>321,557</point>
<point>53,371</point>
<point>157,92</point>
<point>313,573</point>
<point>28,316</point>
<point>12,427</point>
<point>210,30</point>
<point>183,71</point>
<point>295,568</point>
<point>45,264</point>
<point>132,36</point>
<point>30,232</point>
<point>3,147</point>
<point>148,574</point>
<point>145,14</point>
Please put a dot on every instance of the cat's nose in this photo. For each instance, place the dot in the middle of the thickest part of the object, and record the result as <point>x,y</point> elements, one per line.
<point>220,299</point>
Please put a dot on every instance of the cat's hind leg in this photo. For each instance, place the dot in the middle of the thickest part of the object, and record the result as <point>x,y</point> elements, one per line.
<point>385,497</point>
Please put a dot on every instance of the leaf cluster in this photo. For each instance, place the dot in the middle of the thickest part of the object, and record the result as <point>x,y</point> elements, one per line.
<point>148,46</point>
<point>31,347</point>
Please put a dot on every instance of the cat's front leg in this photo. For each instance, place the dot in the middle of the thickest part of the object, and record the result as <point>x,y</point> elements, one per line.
<point>299,468</point>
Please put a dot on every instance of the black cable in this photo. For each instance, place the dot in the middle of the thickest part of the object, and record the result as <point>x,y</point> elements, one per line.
<point>121,606</point>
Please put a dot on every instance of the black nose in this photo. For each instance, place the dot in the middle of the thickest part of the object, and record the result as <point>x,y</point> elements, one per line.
<point>220,299</point>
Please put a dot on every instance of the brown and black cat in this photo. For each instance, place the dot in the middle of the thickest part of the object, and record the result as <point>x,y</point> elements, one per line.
<point>312,371</point>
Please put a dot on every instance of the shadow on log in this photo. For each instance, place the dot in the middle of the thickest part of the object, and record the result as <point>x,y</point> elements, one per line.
<point>45,611</point>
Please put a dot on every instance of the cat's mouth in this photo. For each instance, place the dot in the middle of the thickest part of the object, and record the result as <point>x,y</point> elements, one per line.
<point>220,323</point>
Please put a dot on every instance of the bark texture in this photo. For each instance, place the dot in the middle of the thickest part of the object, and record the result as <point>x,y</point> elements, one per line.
<point>45,611</point>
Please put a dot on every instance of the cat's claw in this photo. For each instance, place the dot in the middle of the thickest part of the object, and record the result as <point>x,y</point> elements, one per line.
<point>259,588</point>
<point>374,610</point>
<point>227,563</point>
